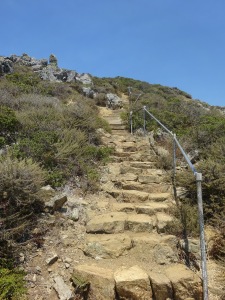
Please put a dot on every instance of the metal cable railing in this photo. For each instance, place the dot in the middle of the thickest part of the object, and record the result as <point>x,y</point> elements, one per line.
<point>198,177</point>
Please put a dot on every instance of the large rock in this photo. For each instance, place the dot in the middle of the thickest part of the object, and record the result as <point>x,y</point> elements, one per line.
<point>107,246</point>
<point>107,223</point>
<point>102,284</point>
<point>63,291</point>
<point>56,203</point>
<point>164,254</point>
<point>84,78</point>
<point>163,220</point>
<point>161,286</point>
<point>185,283</point>
<point>139,223</point>
<point>6,66</point>
<point>53,60</point>
<point>133,283</point>
<point>113,101</point>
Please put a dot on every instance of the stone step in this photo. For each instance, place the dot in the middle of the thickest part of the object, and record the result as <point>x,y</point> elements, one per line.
<point>118,222</point>
<point>149,188</point>
<point>117,126</point>
<point>138,196</point>
<point>149,208</point>
<point>103,246</point>
<point>142,164</point>
<point>141,178</point>
<point>108,283</point>
<point>119,132</point>
<point>135,156</point>
<point>121,153</point>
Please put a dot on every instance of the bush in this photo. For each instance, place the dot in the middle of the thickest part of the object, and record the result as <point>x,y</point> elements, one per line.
<point>20,183</point>
<point>9,126</point>
<point>12,284</point>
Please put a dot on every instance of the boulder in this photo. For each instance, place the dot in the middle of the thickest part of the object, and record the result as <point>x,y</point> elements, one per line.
<point>133,283</point>
<point>6,66</point>
<point>161,286</point>
<point>102,284</point>
<point>107,223</point>
<point>185,283</point>
<point>164,254</point>
<point>53,60</point>
<point>107,246</point>
<point>56,203</point>
<point>113,101</point>
<point>84,78</point>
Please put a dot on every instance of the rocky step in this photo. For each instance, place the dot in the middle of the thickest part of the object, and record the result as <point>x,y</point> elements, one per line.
<point>148,188</point>
<point>142,164</point>
<point>117,126</point>
<point>149,208</point>
<point>149,169</point>
<point>134,282</point>
<point>145,179</point>
<point>111,246</point>
<point>134,156</point>
<point>133,196</point>
<point>119,222</point>
<point>119,132</point>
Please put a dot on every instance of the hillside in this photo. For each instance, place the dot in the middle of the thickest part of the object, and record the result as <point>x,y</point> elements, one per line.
<point>67,158</point>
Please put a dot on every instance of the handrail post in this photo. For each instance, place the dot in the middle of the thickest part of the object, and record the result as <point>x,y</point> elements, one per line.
<point>174,155</point>
<point>174,169</point>
<point>131,122</point>
<point>144,126</point>
<point>202,236</point>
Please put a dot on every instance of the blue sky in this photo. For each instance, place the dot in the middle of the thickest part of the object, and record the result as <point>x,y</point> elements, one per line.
<point>177,43</point>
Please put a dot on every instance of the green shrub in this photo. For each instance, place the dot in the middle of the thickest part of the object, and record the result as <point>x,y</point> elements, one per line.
<point>12,284</point>
<point>20,183</point>
<point>9,125</point>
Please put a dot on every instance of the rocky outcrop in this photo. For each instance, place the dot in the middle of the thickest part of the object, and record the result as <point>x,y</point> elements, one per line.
<point>6,66</point>
<point>47,68</point>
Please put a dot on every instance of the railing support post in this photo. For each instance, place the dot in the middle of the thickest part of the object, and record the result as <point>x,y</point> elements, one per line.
<point>131,122</point>
<point>144,126</point>
<point>174,169</point>
<point>202,236</point>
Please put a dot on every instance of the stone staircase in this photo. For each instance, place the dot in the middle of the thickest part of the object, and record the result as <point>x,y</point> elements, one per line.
<point>129,255</point>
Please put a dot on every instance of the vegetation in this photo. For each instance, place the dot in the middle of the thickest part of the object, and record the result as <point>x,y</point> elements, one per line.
<point>48,135</point>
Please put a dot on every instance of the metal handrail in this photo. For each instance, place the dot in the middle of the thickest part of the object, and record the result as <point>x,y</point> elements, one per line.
<point>198,177</point>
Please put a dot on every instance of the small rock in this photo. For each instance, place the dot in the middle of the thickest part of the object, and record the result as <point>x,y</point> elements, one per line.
<point>38,269</point>
<point>21,258</point>
<point>67,265</point>
<point>51,260</point>
<point>68,260</point>
<point>75,214</point>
